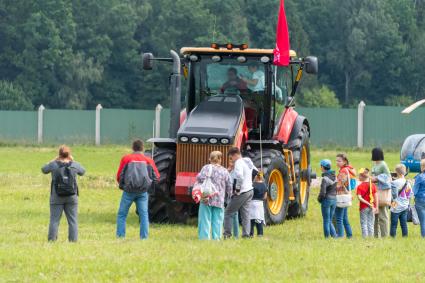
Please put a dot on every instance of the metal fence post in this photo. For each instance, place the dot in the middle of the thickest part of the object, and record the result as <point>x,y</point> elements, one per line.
<point>158,109</point>
<point>40,124</point>
<point>360,124</point>
<point>98,108</point>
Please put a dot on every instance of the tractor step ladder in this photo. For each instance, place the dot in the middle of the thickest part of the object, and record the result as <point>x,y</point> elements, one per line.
<point>289,159</point>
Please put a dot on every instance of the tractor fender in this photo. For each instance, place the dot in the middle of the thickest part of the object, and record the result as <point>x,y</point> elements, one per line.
<point>164,143</point>
<point>286,125</point>
<point>299,122</point>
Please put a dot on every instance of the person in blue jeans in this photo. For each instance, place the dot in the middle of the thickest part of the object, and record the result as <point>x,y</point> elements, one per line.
<point>141,200</point>
<point>419,193</point>
<point>327,197</point>
<point>236,225</point>
<point>343,184</point>
<point>136,175</point>
<point>401,193</point>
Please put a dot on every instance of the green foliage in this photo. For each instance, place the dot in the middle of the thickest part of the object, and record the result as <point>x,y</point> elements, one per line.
<point>13,97</point>
<point>318,97</point>
<point>399,100</point>
<point>76,54</point>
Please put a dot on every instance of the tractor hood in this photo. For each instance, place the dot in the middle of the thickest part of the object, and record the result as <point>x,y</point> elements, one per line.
<point>215,120</point>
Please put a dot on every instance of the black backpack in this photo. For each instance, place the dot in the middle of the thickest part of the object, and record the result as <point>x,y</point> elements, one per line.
<point>65,183</point>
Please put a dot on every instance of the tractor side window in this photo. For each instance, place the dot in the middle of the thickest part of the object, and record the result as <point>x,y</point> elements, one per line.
<point>281,87</point>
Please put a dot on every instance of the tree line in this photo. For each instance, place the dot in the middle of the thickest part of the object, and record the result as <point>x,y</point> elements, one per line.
<point>75,54</point>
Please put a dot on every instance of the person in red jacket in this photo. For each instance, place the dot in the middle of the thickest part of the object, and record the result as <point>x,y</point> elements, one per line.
<point>136,175</point>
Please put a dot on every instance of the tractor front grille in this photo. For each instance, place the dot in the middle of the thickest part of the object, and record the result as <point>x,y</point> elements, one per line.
<point>192,157</point>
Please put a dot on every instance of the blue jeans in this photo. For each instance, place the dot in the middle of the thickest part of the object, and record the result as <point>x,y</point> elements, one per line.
<point>403,223</point>
<point>341,215</point>
<point>420,208</point>
<point>141,200</point>
<point>236,225</point>
<point>328,210</point>
<point>210,221</point>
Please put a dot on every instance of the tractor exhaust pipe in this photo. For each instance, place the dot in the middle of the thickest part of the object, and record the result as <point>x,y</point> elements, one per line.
<point>175,94</point>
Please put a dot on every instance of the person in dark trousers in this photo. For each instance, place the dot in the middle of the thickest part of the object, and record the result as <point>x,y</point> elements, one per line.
<point>240,201</point>
<point>256,210</point>
<point>136,175</point>
<point>327,197</point>
<point>63,195</point>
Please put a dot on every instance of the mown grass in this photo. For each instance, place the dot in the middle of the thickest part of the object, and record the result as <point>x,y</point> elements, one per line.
<point>294,251</point>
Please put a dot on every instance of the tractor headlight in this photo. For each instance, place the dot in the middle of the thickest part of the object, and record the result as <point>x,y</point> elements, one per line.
<point>184,139</point>
<point>194,140</point>
<point>225,141</point>
<point>213,140</point>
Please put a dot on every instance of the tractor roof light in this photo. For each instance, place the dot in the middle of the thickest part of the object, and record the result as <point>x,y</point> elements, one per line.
<point>193,58</point>
<point>216,58</point>
<point>225,141</point>
<point>184,139</point>
<point>265,59</point>
<point>194,140</point>
<point>241,59</point>
<point>243,46</point>
<point>213,140</point>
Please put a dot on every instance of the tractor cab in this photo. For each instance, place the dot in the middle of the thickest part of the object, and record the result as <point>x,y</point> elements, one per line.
<point>235,71</point>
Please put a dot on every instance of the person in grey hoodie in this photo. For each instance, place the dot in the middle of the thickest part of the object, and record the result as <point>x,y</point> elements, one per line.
<point>242,196</point>
<point>58,203</point>
<point>327,197</point>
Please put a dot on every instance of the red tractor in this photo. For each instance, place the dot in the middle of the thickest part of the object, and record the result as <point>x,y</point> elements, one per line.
<point>235,97</point>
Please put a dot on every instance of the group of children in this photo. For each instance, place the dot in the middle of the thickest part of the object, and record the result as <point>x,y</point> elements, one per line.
<point>379,192</point>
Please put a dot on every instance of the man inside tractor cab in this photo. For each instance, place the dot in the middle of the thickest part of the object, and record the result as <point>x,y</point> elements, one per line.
<point>258,80</point>
<point>233,81</point>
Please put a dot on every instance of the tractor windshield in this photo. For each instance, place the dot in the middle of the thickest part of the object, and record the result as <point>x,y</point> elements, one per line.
<point>247,77</point>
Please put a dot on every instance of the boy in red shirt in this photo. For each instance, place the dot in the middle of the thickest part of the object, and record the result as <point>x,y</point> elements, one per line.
<point>366,193</point>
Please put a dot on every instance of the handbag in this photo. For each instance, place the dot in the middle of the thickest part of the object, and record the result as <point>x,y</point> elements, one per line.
<point>344,199</point>
<point>207,187</point>
<point>384,198</point>
<point>412,215</point>
<point>384,191</point>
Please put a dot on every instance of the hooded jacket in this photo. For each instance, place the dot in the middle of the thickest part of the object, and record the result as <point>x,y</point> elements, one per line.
<point>419,187</point>
<point>328,186</point>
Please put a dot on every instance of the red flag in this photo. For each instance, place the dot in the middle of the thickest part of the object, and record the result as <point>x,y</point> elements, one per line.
<point>281,52</point>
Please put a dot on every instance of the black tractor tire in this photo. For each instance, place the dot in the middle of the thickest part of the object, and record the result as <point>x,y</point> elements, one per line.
<point>273,163</point>
<point>162,206</point>
<point>299,207</point>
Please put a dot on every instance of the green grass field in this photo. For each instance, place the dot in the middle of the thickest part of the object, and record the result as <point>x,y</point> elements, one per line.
<point>294,251</point>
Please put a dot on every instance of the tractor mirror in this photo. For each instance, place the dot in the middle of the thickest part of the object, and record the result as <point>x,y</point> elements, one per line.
<point>311,65</point>
<point>147,60</point>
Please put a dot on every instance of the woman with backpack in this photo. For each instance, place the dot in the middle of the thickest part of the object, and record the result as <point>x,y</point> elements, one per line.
<point>213,184</point>
<point>345,183</point>
<point>63,192</point>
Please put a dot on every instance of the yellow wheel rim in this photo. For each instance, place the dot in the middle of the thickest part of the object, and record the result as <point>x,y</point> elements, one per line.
<point>303,166</point>
<point>276,192</point>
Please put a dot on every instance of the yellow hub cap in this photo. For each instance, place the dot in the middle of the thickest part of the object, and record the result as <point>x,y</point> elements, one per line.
<point>303,166</point>
<point>276,192</point>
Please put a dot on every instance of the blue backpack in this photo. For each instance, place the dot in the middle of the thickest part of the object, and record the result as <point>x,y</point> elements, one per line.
<point>353,184</point>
